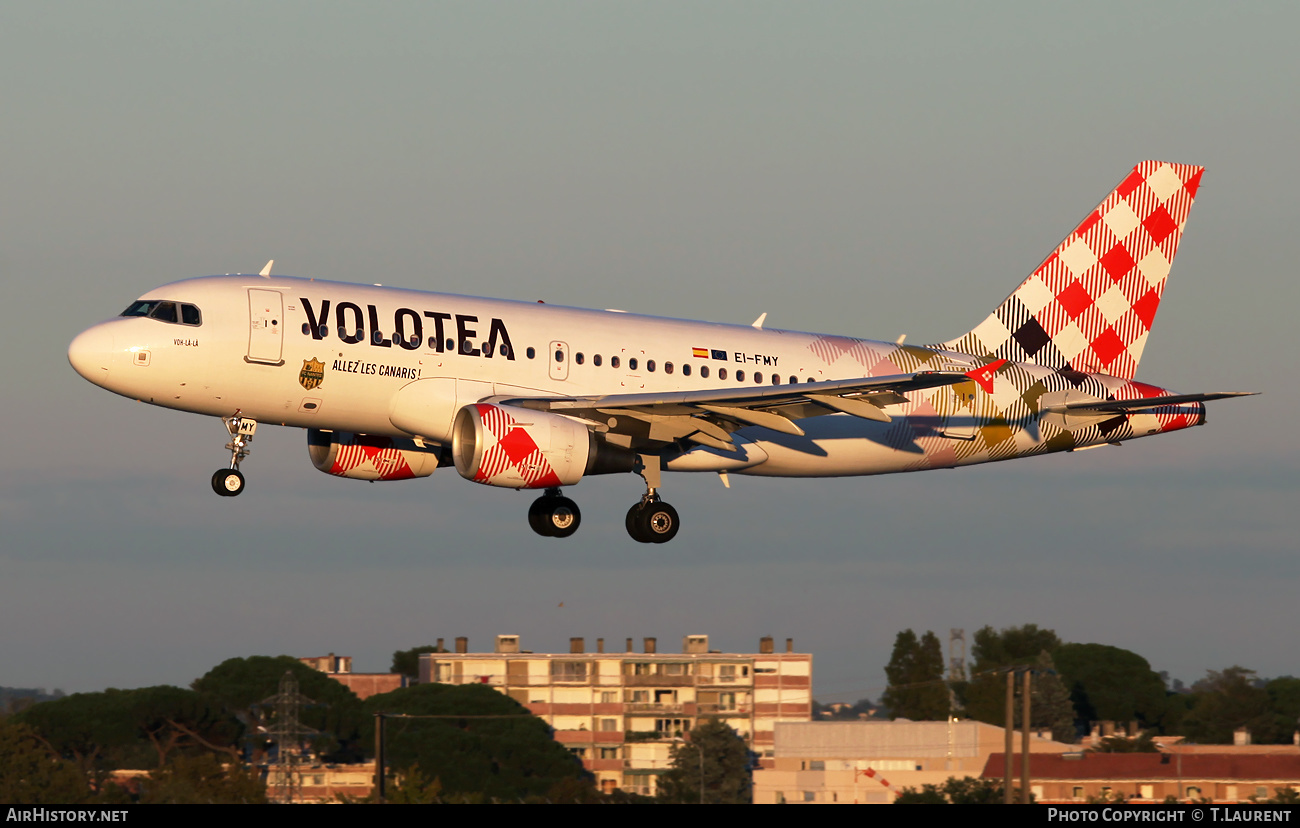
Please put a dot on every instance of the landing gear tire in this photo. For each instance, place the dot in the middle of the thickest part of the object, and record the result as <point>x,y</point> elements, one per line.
<point>227,482</point>
<point>552,516</point>
<point>653,522</point>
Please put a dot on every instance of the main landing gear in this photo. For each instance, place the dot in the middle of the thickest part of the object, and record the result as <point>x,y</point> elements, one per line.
<point>554,516</point>
<point>651,520</point>
<point>648,521</point>
<point>230,482</point>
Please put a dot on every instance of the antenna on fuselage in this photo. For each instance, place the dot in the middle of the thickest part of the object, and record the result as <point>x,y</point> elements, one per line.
<point>266,271</point>
<point>758,323</point>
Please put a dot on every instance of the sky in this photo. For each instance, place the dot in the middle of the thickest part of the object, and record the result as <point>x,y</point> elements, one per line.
<point>855,168</point>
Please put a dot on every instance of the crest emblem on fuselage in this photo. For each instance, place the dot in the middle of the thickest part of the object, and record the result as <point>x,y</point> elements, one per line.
<point>312,374</point>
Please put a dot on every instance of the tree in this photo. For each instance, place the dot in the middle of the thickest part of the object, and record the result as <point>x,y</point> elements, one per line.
<point>715,756</point>
<point>407,662</point>
<point>1226,701</point>
<point>916,679</point>
<point>1284,697</point>
<point>1050,707</point>
<point>984,696</point>
<point>132,728</point>
<point>513,758</point>
<point>242,684</point>
<point>31,775</point>
<point>1123,744</point>
<point>202,780</point>
<point>970,790</point>
<point>1111,684</point>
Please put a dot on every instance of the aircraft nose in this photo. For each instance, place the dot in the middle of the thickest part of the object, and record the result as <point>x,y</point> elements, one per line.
<point>91,354</point>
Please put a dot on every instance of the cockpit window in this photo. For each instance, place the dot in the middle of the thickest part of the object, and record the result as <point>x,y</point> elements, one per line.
<point>165,311</point>
<point>140,307</point>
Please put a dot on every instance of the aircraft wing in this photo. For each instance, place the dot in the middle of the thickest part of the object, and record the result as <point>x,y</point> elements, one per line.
<point>709,417</point>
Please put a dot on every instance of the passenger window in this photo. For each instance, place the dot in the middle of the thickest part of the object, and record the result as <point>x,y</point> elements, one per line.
<point>794,380</point>
<point>306,329</point>
<point>613,362</point>
<point>505,352</point>
<point>577,357</point>
<point>722,373</point>
<point>631,364</point>
<point>704,372</point>
<point>668,367</point>
<point>530,352</point>
<point>686,369</point>
<point>776,380</point>
<point>190,315</point>
<point>559,355</point>
<point>758,378</point>
<point>740,376</point>
<point>650,365</point>
<point>595,360</point>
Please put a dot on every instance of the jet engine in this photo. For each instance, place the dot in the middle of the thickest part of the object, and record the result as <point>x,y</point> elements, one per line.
<point>518,448</point>
<point>370,457</point>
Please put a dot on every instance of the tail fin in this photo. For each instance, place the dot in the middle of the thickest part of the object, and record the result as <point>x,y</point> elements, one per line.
<point>1090,305</point>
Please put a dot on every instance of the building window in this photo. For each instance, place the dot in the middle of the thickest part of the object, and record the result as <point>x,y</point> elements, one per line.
<point>726,672</point>
<point>1078,790</point>
<point>568,671</point>
<point>607,725</point>
<point>609,753</point>
<point>817,764</point>
<point>608,697</point>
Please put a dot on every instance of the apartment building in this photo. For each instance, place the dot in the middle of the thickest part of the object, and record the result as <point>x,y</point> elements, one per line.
<point>621,712</point>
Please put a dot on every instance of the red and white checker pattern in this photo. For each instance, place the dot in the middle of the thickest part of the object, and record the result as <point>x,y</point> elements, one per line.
<point>511,452</point>
<point>1096,296</point>
<point>377,454</point>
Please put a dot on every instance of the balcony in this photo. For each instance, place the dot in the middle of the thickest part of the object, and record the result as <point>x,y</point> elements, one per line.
<point>652,708</point>
<point>658,681</point>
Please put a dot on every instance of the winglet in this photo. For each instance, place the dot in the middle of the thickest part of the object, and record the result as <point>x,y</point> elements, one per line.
<point>266,271</point>
<point>758,323</point>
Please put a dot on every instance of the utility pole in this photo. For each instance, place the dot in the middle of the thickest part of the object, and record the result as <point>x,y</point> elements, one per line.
<point>1009,730</point>
<point>1024,741</point>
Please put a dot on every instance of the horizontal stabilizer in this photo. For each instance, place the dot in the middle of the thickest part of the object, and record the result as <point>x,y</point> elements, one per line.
<point>1145,403</point>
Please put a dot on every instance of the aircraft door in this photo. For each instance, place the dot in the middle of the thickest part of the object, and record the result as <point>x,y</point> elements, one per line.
<point>265,326</point>
<point>559,360</point>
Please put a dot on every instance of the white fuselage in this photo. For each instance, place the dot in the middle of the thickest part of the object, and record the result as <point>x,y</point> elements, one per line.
<point>260,341</point>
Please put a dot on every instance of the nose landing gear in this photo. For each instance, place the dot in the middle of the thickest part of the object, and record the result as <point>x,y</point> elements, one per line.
<point>230,482</point>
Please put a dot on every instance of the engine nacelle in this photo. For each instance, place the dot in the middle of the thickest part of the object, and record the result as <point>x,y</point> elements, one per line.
<point>370,457</point>
<point>517,448</point>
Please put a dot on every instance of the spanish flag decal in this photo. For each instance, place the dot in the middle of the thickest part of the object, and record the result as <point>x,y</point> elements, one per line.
<point>700,353</point>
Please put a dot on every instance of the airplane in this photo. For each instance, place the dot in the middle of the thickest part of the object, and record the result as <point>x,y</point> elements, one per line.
<point>393,384</point>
